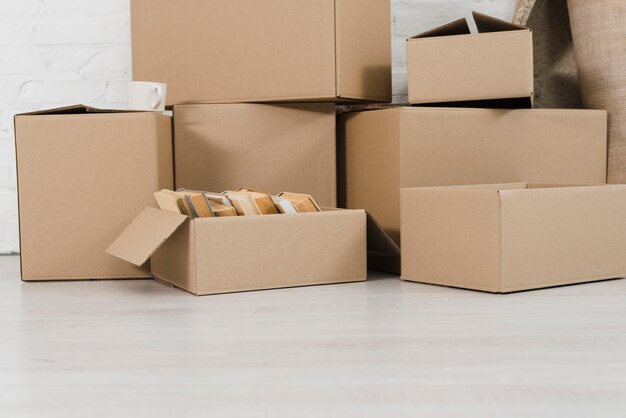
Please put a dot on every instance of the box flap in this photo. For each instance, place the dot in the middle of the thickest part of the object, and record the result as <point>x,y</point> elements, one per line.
<point>75,109</point>
<point>145,235</point>
<point>458,27</point>
<point>382,252</point>
<point>486,24</point>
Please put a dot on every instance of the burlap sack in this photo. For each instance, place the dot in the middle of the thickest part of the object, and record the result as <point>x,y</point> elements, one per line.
<point>556,79</point>
<point>599,33</point>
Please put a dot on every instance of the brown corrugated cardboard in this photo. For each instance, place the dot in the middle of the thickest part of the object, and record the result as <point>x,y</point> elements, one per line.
<point>383,150</point>
<point>509,237</point>
<point>264,50</point>
<point>83,174</point>
<point>220,255</point>
<point>448,64</point>
<point>271,148</point>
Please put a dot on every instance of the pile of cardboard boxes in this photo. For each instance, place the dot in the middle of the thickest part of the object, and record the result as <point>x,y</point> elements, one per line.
<point>253,87</point>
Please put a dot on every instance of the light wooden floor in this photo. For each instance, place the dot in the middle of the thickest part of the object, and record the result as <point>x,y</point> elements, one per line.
<point>384,348</point>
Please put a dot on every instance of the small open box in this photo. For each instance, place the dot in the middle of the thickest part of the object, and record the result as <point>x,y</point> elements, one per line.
<point>230,254</point>
<point>509,237</point>
<point>493,67</point>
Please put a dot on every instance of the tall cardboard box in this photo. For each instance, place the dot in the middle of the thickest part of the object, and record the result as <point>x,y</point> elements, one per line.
<point>264,50</point>
<point>233,254</point>
<point>83,174</point>
<point>493,67</point>
<point>381,151</point>
<point>509,237</point>
<point>273,148</point>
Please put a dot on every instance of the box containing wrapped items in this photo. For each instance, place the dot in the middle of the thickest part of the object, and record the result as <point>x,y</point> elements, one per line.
<point>266,242</point>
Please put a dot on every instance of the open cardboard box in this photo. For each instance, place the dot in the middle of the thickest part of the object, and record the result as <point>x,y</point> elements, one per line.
<point>509,237</point>
<point>82,175</point>
<point>258,51</point>
<point>493,67</point>
<point>381,151</point>
<point>231,254</point>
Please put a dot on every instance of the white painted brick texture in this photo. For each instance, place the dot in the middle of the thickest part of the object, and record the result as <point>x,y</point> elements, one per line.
<point>59,52</point>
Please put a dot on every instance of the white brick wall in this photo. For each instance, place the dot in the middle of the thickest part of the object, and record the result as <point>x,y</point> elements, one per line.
<point>58,52</point>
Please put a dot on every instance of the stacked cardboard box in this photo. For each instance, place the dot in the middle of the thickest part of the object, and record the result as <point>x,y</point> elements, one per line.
<point>491,68</point>
<point>267,147</point>
<point>216,51</point>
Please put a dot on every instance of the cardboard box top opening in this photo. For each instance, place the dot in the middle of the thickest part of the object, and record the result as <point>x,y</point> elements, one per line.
<point>78,110</point>
<point>146,233</point>
<point>484,24</point>
<point>509,187</point>
<point>465,110</point>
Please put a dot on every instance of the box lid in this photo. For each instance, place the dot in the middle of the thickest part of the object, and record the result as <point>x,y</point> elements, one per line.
<point>382,252</point>
<point>378,239</point>
<point>484,24</point>
<point>146,233</point>
<point>457,27</point>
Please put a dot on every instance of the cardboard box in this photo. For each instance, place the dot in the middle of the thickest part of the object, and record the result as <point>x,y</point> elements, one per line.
<point>381,151</point>
<point>83,174</point>
<point>264,50</point>
<point>493,67</point>
<point>272,148</point>
<point>509,237</point>
<point>231,254</point>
